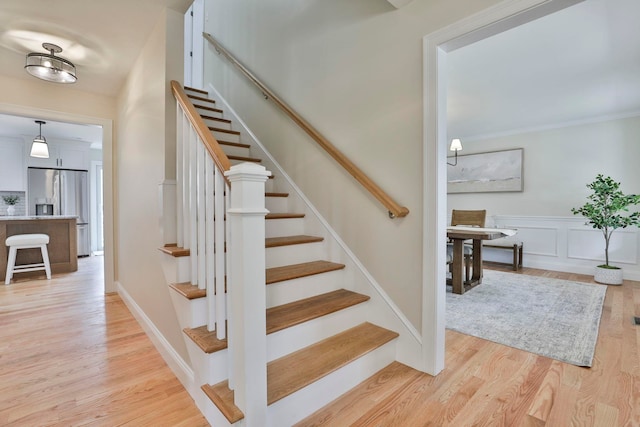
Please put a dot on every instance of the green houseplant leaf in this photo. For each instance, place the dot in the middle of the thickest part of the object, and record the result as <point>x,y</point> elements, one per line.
<point>606,209</point>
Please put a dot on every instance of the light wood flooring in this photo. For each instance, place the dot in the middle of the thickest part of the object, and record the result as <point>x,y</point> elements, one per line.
<point>71,356</point>
<point>487,384</point>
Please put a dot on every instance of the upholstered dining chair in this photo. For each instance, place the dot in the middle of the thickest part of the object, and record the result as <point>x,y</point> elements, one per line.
<point>468,218</point>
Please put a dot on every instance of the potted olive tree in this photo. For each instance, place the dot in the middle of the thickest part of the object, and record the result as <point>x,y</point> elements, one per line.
<point>605,211</point>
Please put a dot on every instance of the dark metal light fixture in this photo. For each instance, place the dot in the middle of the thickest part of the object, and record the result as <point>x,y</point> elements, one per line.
<point>456,146</point>
<point>40,148</point>
<point>49,67</point>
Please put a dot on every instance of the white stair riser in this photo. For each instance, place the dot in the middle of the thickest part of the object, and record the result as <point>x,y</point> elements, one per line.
<point>236,151</point>
<point>276,204</point>
<point>284,227</point>
<point>225,136</point>
<point>270,186</point>
<point>189,91</point>
<point>304,287</point>
<point>216,123</point>
<point>176,270</point>
<point>212,413</point>
<point>191,312</point>
<point>205,112</point>
<point>207,368</point>
<point>305,334</point>
<point>301,404</point>
<point>294,254</point>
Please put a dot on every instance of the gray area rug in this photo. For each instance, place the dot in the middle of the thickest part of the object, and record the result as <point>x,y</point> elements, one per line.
<point>550,317</point>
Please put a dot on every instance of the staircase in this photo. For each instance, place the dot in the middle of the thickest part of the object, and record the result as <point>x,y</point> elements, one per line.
<point>328,329</point>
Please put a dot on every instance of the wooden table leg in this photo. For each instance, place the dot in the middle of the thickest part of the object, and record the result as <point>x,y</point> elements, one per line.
<point>458,263</point>
<point>477,262</point>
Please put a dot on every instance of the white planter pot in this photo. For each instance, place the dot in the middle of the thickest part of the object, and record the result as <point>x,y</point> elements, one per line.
<point>608,276</point>
<point>11,210</point>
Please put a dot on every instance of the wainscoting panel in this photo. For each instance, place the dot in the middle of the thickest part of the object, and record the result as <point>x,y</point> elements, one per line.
<point>588,243</point>
<point>567,244</point>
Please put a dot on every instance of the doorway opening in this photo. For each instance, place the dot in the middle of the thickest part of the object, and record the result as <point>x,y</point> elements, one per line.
<point>436,46</point>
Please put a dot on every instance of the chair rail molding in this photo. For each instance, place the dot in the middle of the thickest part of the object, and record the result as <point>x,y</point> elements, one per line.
<point>567,244</point>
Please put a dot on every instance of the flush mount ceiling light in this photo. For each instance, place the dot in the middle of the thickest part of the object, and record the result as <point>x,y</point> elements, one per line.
<point>40,148</point>
<point>49,67</point>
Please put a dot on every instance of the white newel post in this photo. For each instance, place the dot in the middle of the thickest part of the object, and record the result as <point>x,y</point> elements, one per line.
<point>247,290</point>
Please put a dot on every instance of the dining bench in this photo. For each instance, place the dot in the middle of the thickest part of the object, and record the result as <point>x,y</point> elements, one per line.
<point>510,245</point>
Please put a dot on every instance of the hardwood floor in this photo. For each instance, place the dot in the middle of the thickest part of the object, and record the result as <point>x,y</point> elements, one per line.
<point>487,384</point>
<point>69,356</point>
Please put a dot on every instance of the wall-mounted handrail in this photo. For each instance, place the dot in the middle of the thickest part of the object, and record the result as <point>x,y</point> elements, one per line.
<point>211,144</point>
<point>395,210</point>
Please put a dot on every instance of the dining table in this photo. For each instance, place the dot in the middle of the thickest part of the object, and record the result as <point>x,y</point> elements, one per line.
<point>458,235</point>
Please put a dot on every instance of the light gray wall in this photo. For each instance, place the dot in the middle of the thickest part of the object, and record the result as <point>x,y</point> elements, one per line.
<point>558,164</point>
<point>141,165</point>
<point>353,69</point>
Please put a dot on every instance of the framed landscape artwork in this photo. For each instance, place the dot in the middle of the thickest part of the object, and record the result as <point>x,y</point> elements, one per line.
<point>486,172</point>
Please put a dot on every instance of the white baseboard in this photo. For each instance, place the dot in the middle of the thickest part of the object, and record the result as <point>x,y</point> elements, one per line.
<point>180,368</point>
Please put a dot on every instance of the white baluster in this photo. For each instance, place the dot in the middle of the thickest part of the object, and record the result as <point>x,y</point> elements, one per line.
<point>221,301</point>
<point>193,213</point>
<point>212,297</point>
<point>187,131</point>
<point>180,118</point>
<point>202,236</point>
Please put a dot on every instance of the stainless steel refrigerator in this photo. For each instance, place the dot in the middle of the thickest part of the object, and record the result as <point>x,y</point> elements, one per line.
<point>61,192</point>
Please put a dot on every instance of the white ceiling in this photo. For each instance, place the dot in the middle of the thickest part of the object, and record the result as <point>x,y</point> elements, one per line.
<point>579,64</point>
<point>101,37</point>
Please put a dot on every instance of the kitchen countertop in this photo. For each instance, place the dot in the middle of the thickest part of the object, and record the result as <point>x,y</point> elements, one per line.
<point>40,217</point>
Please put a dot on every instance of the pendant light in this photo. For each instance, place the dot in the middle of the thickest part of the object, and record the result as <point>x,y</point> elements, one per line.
<point>39,147</point>
<point>49,67</point>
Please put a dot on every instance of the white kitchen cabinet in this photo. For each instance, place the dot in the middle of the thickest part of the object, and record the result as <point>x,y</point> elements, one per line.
<point>62,155</point>
<point>12,176</point>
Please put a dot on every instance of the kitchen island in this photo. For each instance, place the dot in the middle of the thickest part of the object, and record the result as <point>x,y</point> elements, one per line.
<point>62,247</point>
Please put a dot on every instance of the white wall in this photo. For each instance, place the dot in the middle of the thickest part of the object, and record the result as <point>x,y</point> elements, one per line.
<point>146,131</point>
<point>558,164</point>
<point>354,71</point>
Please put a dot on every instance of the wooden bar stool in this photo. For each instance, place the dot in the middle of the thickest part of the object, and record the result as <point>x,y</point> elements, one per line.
<point>27,241</point>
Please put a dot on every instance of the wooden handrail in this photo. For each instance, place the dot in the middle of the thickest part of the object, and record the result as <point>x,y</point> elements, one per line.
<point>395,210</point>
<point>211,144</point>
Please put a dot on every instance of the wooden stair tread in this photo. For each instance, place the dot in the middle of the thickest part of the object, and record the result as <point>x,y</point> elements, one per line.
<point>303,367</point>
<point>196,90</point>
<point>206,107</point>
<point>217,119</point>
<point>175,251</point>
<point>215,129</point>
<point>201,98</point>
<point>223,398</point>
<point>297,312</point>
<point>245,159</point>
<point>205,339</point>
<point>234,144</point>
<point>283,215</point>
<point>295,271</point>
<point>285,316</point>
<point>273,194</point>
<point>358,401</point>
<point>272,242</point>
<point>188,290</point>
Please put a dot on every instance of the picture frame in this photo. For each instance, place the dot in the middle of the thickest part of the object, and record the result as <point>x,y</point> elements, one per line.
<point>488,172</point>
